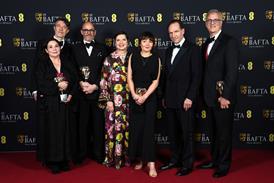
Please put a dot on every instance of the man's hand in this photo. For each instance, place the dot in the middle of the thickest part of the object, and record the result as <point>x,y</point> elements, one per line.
<point>187,104</point>
<point>88,88</point>
<point>224,103</point>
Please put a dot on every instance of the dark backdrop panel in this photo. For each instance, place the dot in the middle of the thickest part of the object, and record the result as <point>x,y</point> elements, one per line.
<point>252,23</point>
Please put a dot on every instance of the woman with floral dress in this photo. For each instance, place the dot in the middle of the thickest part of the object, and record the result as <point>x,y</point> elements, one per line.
<point>114,90</point>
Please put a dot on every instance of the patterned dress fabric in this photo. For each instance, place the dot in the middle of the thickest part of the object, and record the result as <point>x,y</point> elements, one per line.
<point>114,88</point>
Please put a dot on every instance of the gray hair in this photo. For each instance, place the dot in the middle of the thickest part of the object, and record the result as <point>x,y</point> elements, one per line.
<point>215,11</point>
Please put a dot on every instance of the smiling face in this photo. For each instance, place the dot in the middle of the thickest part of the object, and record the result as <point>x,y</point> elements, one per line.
<point>53,48</point>
<point>214,23</point>
<point>121,42</point>
<point>146,45</point>
<point>60,29</point>
<point>176,33</point>
<point>88,31</point>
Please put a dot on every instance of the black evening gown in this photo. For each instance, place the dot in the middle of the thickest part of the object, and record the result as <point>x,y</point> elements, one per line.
<point>142,118</point>
<point>55,136</point>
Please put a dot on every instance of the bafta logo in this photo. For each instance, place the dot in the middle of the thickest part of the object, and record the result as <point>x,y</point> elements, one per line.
<point>245,40</point>
<point>242,137</point>
<point>19,91</point>
<point>269,15</point>
<point>176,16</point>
<point>20,138</point>
<point>266,113</point>
<point>243,89</point>
<point>39,17</point>
<point>130,17</point>
<point>16,41</point>
<point>267,65</point>
<point>85,17</point>
<point>199,41</point>
<point>108,42</point>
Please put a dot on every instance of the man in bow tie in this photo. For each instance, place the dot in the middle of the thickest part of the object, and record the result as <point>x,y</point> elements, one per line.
<point>221,56</point>
<point>90,54</point>
<point>182,76</point>
<point>61,29</point>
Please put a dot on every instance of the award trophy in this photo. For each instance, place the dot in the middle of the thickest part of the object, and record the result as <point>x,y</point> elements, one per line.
<point>59,78</point>
<point>141,91</point>
<point>85,71</point>
<point>220,88</point>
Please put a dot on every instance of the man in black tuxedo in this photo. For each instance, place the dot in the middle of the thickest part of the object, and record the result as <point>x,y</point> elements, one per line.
<point>61,29</point>
<point>91,54</point>
<point>221,55</point>
<point>182,76</point>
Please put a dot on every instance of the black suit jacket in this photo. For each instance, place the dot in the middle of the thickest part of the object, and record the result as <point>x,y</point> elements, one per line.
<point>94,61</point>
<point>182,78</point>
<point>41,56</point>
<point>221,65</point>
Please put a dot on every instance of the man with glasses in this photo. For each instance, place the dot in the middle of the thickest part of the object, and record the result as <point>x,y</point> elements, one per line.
<point>89,56</point>
<point>221,55</point>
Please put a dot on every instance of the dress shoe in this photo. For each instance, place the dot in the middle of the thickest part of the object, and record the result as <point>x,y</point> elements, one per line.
<point>183,171</point>
<point>65,166</point>
<point>207,165</point>
<point>220,173</point>
<point>55,169</point>
<point>167,166</point>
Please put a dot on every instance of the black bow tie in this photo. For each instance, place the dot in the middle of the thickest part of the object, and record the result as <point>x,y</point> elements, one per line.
<point>89,44</point>
<point>176,46</point>
<point>209,40</point>
<point>61,43</point>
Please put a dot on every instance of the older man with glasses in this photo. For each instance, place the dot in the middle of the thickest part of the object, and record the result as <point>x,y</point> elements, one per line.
<point>221,56</point>
<point>89,56</point>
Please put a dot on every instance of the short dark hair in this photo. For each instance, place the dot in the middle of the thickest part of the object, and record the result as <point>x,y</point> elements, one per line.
<point>121,33</point>
<point>147,35</point>
<point>44,54</point>
<point>176,21</point>
<point>63,19</point>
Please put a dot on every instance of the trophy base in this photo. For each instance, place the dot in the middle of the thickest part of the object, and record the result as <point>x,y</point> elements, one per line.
<point>63,97</point>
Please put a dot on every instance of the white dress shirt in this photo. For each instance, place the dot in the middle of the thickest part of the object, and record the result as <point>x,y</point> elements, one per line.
<point>176,50</point>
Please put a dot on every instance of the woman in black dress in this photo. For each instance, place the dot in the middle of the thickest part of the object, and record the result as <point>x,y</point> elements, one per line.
<point>56,79</point>
<point>143,78</point>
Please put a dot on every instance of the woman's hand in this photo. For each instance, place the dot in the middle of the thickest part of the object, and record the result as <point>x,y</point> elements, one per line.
<point>110,106</point>
<point>141,100</point>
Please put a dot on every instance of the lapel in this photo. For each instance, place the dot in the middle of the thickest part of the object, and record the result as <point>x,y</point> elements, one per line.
<point>83,49</point>
<point>215,46</point>
<point>96,51</point>
<point>178,57</point>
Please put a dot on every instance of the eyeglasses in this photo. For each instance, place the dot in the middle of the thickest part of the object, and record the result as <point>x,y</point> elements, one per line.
<point>88,30</point>
<point>213,21</point>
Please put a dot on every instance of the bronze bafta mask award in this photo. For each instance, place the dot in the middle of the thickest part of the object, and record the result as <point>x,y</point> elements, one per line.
<point>85,71</point>
<point>220,88</point>
<point>141,91</point>
<point>59,78</point>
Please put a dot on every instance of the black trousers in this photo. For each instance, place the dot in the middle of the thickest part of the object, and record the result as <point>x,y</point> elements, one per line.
<point>220,133</point>
<point>181,136</point>
<point>141,130</point>
<point>90,130</point>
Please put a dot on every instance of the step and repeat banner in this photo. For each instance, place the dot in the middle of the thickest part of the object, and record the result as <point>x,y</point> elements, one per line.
<point>22,24</point>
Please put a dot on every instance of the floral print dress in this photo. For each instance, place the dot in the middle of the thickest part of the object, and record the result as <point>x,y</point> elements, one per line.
<point>114,88</point>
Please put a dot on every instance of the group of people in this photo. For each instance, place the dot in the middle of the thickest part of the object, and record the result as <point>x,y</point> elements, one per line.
<point>102,105</point>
